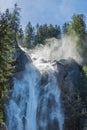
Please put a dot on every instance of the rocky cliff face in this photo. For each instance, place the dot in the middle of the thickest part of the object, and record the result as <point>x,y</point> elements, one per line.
<point>21,59</point>
<point>69,79</point>
<point>70,75</point>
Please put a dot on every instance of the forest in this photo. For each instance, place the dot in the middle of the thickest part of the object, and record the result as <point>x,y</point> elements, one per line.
<point>11,32</point>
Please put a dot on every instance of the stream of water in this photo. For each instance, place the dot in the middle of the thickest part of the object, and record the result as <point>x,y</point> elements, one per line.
<point>35,103</point>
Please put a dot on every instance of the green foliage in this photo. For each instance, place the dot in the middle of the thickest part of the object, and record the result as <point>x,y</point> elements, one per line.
<point>84,83</point>
<point>44,31</point>
<point>38,35</point>
<point>65,28</point>
<point>85,70</point>
<point>9,30</point>
<point>29,35</point>
<point>15,27</point>
<point>77,25</point>
<point>41,34</point>
<point>15,19</point>
<point>77,29</point>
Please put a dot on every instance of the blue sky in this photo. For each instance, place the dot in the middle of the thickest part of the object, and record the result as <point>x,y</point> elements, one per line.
<point>47,11</point>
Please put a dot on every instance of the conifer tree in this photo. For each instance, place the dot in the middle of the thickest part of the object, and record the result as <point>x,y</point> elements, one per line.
<point>29,35</point>
<point>9,29</point>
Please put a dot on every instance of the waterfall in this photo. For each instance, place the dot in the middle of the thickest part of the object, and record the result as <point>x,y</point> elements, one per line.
<point>35,103</point>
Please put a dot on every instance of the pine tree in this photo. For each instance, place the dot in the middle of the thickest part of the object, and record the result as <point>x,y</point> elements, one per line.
<point>15,24</point>
<point>6,58</point>
<point>65,28</point>
<point>29,35</point>
<point>77,26</point>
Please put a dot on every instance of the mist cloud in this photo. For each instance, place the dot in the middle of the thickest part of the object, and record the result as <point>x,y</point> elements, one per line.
<point>55,49</point>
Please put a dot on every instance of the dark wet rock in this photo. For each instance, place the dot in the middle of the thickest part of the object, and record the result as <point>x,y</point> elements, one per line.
<point>69,79</point>
<point>54,125</point>
<point>44,79</point>
<point>21,60</point>
<point>69,73</point>
<point>2,127</point>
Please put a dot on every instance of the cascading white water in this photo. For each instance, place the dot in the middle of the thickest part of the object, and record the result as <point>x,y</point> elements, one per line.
<point>35,103</point>
<point>21,110</point>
